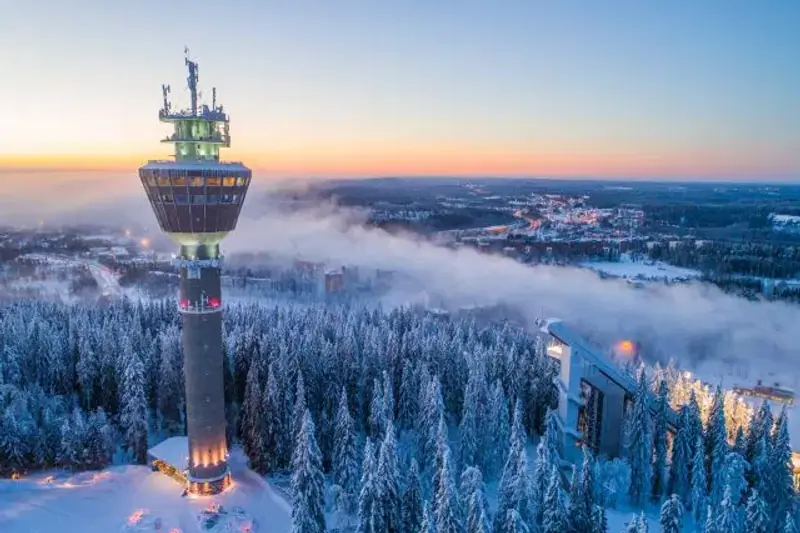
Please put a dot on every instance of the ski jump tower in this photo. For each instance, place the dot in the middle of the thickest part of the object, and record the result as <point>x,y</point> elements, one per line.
<point>196,199</point>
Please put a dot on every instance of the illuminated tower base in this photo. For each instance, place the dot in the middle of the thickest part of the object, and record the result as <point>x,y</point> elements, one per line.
<point>197,199</point>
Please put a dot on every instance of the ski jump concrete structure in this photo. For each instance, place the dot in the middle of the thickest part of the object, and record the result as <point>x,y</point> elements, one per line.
<point>594,396</point>
<point>197,199</point>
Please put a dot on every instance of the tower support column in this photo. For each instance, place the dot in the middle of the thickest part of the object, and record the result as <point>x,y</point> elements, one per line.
<point>200,305</point>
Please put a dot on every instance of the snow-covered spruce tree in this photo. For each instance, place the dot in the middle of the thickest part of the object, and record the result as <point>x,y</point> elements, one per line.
<point>514,523</point>
<point>553,438</point>
<point>699,483</point>
<point>789,525</point>
<point>468,436</point>
<point>14,447</point>
<point>740,442</point>
<point>582,496</point>
<point>477,515</point>
<point>756,518</point>
<point>727,515</point>
<point>734,470</point>
<point>388,397</point>
<point>780,460</point>
<point>660,442</point>
<point>170,388</point>
<point>299,405</point>
<point>272,405</point>
<point>411,505</point>
<point>387,500</point>
<point>758,449</point>
<point>640,450</point>
<point>761,469</point>
<point>408,403</point>
<point>345,451</point>
<point>554,513</point>
<point>432,414</point>
<point>515,485</point>
<point>252,421</point>
<point>643,526</point>
<point>716,447</point>
<point>447,512</point>
<point>368,493</point>
<point>599,520</point>
<point>679,472</point>
<point>308,484</point>
<point>133,415</point>
<point>377,415</point>
<point>710,525</point>
<point>499,423</point>
<point>471,481</point>
<point>100,443</point>
<point>539,482</point>
<point>671,517</point>
<point>428,522</point>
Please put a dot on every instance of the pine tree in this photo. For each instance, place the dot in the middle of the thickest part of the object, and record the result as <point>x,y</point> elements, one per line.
<point>275,434</point>
<point>599,520</point>
<point>499,430</point>
<point>408,404</point>
<point>660,440</point>
<point>541,480</point>
<point>133,417</point>
<point>554,514</point>
<point>308,484</point>
<point>387,500</point>
<point>299,405</point>
<point>252,420</point>
<point>581,496</point>
<point>345,452</point>
<point>716,448</point>
<point>639,443</point>
<point>710,525</point>
<point>428,523</point>
<point>727,516</point>
<point>515,486</point>
<point>368,494</point>
<point>468,430</point>
<point>377,415</point>
<point>780,460</point>
<point>412,500</point>
<point>388,397</point>
<point>433,413</point>
<point>447,508</point>
<point>734,471</point>
<point>679,473</point>
<point>699,483</point>
<point>514,523</point>
<point>789,524</point>
<point>477,514</point>
<point>756,518</point>
<point>671,517</point>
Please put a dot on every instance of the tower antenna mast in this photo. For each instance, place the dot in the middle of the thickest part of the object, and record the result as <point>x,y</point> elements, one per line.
<point>165,91</point>
<point>192,79</point>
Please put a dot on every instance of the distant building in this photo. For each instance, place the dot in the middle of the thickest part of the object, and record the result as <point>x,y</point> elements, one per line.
<point>334,281</point>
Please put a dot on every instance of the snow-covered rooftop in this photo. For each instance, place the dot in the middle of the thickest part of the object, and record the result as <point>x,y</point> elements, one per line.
<point>174,451</point>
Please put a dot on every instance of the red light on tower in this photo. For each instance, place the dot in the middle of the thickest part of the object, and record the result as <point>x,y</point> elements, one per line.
<point>213,302</point>
<point>626,348</point>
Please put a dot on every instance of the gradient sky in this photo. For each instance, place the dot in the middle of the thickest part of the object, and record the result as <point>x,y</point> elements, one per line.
<point>680,88</point>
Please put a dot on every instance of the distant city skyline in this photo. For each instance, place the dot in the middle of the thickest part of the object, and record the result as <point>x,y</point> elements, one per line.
<point>671,90</point>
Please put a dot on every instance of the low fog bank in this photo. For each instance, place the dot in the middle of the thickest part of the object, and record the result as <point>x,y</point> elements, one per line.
<point>698,325</point>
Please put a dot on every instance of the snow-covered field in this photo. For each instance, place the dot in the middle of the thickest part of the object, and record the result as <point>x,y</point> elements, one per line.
<point>644,271</point>
<point>133,498</point>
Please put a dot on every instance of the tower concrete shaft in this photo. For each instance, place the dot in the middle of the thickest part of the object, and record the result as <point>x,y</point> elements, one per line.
<point>201,314</point>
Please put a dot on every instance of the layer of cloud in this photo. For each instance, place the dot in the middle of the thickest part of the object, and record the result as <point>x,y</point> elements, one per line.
<point>697,324</point>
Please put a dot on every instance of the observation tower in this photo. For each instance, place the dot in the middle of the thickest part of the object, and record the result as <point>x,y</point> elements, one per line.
<point>196,199</point>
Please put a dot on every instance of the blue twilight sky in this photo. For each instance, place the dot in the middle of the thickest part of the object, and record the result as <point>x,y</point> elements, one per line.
<point>597,87</point>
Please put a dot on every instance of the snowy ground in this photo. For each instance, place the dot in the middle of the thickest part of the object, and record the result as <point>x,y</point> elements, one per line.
<point>651,270</point>
<point>103,502</point>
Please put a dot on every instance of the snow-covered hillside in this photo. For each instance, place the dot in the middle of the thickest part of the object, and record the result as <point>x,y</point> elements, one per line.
<point>133,498</point>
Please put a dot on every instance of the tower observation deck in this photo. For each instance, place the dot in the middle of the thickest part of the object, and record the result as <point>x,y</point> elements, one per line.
<point>196,199</point>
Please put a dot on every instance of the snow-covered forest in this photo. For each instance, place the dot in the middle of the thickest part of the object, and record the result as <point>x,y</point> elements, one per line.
<point>388,421</point>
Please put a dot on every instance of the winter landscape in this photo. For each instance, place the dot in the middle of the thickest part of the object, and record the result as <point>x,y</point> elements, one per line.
<point>467,268</point>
